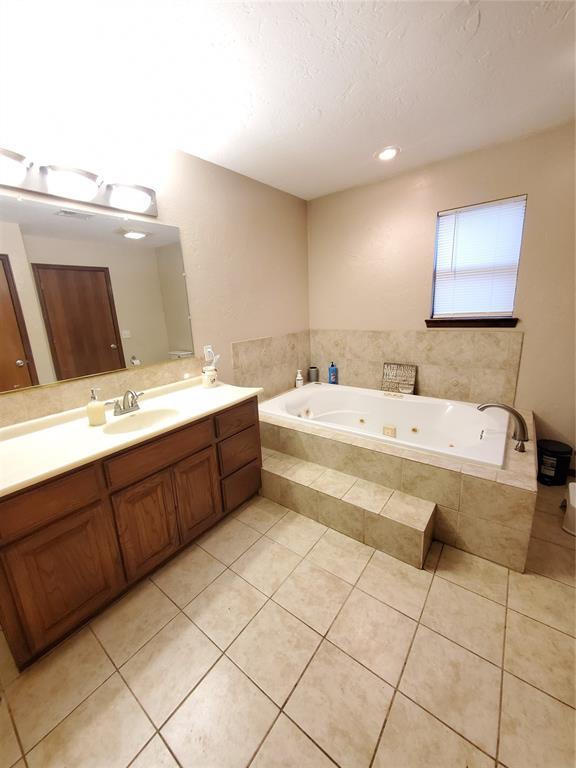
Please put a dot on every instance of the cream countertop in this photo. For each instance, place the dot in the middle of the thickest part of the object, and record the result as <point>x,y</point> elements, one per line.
<point>42,448</point>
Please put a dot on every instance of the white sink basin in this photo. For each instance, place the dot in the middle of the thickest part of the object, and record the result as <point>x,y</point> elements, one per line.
<point>133,422</point>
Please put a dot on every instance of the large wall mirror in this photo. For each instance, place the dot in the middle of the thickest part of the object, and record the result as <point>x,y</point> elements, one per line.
<point>79,297</point>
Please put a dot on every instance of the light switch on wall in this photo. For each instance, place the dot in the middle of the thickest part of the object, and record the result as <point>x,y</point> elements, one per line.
<point>126,334</point>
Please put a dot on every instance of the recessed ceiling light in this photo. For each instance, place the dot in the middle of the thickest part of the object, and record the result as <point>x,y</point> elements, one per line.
<point>388,153</point>
<point>135,235</point>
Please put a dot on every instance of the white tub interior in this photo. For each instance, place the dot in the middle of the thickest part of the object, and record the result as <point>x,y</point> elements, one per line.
<point>447,427</point>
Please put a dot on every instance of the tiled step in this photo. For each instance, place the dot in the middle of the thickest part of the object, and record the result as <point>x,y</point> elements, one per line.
<point>391,521</point>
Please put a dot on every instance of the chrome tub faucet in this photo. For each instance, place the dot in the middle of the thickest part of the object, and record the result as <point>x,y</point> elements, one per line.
<point>520,427</point>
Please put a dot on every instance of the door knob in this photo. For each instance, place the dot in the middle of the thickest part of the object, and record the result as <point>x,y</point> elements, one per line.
<point>21,363</point>
<point>113,346</point>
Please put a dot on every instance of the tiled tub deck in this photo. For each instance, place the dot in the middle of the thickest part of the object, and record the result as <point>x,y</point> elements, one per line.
<point>483,510</point>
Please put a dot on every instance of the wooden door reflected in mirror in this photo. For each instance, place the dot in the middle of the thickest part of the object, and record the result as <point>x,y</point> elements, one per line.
<point>17,367</point>
<point>80,318</point>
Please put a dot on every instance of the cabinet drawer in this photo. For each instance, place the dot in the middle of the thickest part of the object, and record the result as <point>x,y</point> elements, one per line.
<point>236,419</point>
<point>46,503</point>
<point>239,450</point>
<point>239,487</point>
<point>157,454</point>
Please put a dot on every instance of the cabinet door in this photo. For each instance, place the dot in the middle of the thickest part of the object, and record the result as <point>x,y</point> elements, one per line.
<point>63,573</point>
<point>197,492</point>
<point>146,521</point>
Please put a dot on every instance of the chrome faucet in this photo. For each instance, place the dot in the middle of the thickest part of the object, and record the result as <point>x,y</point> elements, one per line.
<point>129,403</point>
<point>520,427</point>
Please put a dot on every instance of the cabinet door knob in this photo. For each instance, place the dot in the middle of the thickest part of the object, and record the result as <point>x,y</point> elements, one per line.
<point>21,363</point>
<point>113,346</point>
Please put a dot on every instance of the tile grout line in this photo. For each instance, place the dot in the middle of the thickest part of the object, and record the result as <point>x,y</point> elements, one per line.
<point>140,751</point>
<point>324,637</point>
<point>79,704</point>
<point>397,686</point>
<point>14,729</point>
<point>500,700</point>
<point>105,680</point>
<point>402,693</point>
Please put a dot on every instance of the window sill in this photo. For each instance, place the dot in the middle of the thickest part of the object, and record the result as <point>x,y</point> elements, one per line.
<point>471,322</point>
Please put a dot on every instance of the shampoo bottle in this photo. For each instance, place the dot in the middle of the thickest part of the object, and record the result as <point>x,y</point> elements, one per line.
<point>299,379</point>
<point>95,410</point>
<point>332,374</point>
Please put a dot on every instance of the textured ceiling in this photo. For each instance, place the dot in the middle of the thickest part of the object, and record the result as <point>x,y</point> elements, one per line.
<point>299,95</point>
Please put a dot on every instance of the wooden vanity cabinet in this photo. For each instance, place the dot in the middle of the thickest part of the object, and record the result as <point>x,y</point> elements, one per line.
<point>61,574</point>
<point>197,486</point>
<point>146,521</point>
<point>71,544</point>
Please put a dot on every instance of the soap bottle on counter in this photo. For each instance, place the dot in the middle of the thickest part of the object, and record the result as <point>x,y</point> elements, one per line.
<point>332,374</point>
<point>299,379</point>
<point>95,410</point>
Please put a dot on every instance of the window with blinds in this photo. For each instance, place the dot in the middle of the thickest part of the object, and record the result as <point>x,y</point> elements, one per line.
<point>477,254</point>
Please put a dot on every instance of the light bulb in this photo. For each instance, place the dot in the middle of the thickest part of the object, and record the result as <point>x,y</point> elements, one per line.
<point>70,183</point>
<point>134,235</point>
<point>388,153</point>
<point>130,198</point>
<point>13,168</point>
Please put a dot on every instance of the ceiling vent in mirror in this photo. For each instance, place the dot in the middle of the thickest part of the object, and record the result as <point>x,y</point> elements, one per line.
<point>67,213</point>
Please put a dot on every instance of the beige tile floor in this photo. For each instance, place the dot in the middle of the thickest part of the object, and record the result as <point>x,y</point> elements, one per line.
<point>276,643</point>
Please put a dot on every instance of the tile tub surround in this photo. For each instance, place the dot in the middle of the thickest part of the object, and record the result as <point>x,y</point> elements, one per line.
<point>35,402</point>
<point>470,365</point>
<point>388,520</point>
<point>271,360</point>
<point>461,664</point>
<point>482,510</point>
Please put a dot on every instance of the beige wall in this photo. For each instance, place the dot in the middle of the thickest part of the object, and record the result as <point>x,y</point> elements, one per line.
<point>244,248</point>
<point>371,253</point>
<point>174,297</point>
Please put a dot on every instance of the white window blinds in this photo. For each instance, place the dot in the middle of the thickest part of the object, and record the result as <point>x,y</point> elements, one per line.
<point>477,253</point>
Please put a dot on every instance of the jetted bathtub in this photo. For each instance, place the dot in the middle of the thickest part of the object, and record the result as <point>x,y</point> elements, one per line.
<point>447,427</point>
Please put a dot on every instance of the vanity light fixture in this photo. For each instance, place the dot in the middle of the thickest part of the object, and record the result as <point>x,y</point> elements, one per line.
<point>388,153</point>
<point>130,197</point>
<point>71,182</point>
<point>19,172</point>
<point>13,168</point>
<point>133,235</point>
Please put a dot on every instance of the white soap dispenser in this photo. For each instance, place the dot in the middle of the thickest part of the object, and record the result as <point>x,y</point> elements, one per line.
<point>299,379</point>
<point>96,410</point>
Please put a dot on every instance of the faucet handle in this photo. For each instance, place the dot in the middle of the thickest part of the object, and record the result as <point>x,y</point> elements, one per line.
<point>117,406</point>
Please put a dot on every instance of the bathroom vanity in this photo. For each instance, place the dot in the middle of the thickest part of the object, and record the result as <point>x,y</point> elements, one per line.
<point>73,542</point>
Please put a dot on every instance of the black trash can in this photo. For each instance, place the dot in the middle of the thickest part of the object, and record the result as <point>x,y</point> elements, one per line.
<point>553,462</point>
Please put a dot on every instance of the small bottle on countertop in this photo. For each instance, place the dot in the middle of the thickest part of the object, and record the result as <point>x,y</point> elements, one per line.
<point>299,379</point>
<point>209,376</point>
<point>332,374</point>
<point>95,410</point>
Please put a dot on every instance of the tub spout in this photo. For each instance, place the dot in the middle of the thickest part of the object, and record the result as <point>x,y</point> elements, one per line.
<point>520,426</point>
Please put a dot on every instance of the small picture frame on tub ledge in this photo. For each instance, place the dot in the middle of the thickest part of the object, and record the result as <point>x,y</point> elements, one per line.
<point>399,377</point>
